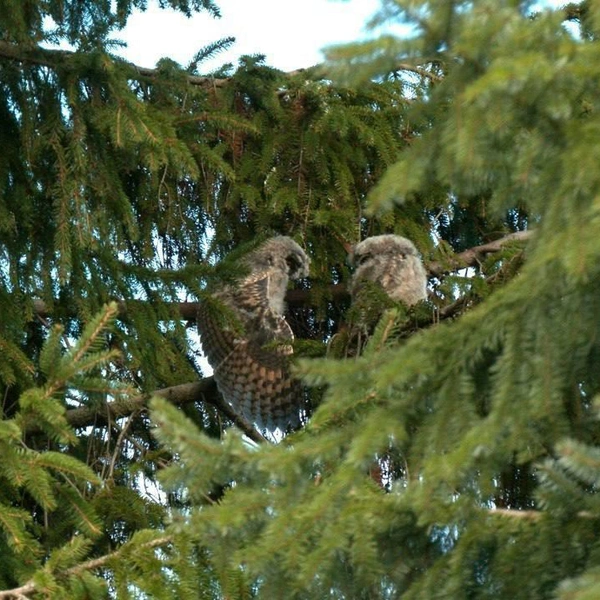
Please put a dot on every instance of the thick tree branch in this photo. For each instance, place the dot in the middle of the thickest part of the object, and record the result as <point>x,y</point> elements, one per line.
<point>185,393</point>
<point>422,72</point>
<point>533,515</point>
<point>204,390</point>
<point>37,55</point>
<point>473,256</point>
<point>46,57</point>
<point>189,310</point>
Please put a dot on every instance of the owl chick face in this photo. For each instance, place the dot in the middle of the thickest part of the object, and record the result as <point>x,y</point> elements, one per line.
<point>276,262</point>
<point>393,263</point>
<point>281,253</point>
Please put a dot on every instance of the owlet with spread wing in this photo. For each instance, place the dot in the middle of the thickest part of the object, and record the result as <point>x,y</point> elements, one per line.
<point>248,343</point>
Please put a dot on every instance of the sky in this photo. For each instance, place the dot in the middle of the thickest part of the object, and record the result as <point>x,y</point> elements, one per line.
<point>290,33</point>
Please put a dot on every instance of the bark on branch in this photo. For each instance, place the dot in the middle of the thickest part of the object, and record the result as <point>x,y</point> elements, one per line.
<point>36,55</point>
<point>46,57</point>
<point>533,515</point>
<point>204,390</point>
<point>421,71</point>
<point>474,256</point>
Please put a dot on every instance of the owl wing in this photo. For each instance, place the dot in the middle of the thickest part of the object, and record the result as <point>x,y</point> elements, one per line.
<point>251,361</point>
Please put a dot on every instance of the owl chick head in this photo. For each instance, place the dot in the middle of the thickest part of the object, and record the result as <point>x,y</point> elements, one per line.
<point>382,245</point>
<point>391,262</point>
<point>284,252</point>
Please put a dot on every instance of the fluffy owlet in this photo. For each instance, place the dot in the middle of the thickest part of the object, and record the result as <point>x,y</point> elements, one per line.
<point>248,344</point>
<point>393,264</point>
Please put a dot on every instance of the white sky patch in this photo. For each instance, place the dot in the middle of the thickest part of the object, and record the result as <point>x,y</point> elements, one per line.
<point>290,34</point>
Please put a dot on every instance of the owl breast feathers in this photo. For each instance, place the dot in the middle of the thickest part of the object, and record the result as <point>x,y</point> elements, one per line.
<point>393,263</point>
<point>247,339</point>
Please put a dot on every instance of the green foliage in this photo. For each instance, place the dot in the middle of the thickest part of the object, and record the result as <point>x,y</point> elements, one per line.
<point>437,465</point>
<point>47,521</point>
<point>454,453</point>
<point>84,24</point>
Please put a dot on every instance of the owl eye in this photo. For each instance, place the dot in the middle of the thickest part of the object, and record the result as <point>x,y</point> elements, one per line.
<point>362,259</point>
<point>293,263</point>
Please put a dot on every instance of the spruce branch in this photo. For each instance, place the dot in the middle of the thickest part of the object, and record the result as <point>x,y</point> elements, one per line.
<point>125,406</point>
<point>36,55</point>
<point>418,70</point>
<point>24,591</point>
<point>473,256</point>
<point>189,310</point>
<point>204,390</point>
<point>46,57</point>
<point>534,515</point>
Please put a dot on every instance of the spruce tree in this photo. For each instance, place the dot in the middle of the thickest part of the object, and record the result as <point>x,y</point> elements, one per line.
<point>456,457</point>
